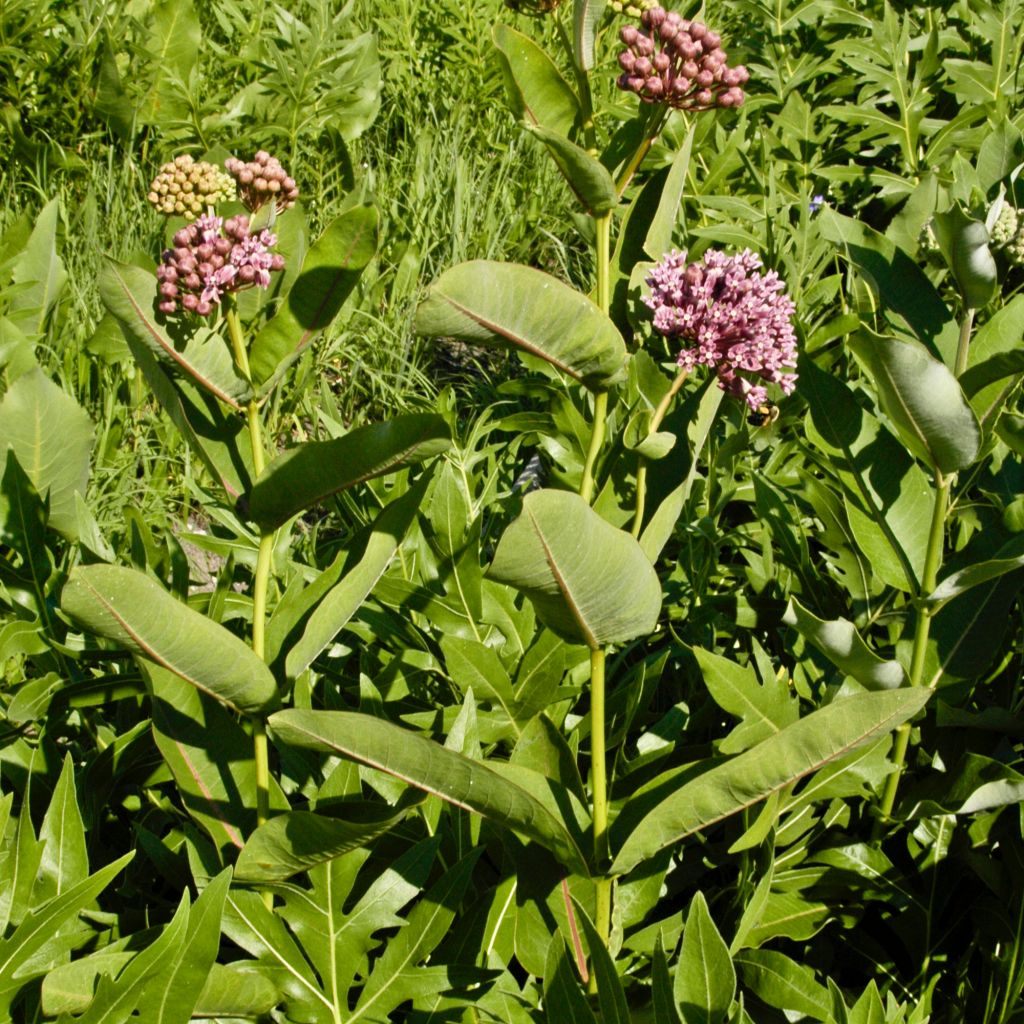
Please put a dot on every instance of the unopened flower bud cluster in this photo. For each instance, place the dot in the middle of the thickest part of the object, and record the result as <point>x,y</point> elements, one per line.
<point>1008,235</point>
<point>263,179</point>
<point>678,62</point>
<point>186,187</point>
<point>633,9</point>
<point>211,257</point>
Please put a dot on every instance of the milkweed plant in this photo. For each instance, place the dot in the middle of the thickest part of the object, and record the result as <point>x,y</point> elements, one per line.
<point>616,737</point>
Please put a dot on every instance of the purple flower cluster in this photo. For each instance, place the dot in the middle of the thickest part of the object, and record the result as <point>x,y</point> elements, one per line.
<point>262,179</point>
<point>211,257</point>
<point>739,321</point>
<point>678,62</point>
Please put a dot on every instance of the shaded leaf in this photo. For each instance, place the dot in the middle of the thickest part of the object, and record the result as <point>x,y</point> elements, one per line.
<point>705,977</point>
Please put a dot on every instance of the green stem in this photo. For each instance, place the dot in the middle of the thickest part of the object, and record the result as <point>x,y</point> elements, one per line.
<point>657,121</point>
<point>599,784</point>
<point>641,470</point>
<point>929,579</point>
<point>603,225</point>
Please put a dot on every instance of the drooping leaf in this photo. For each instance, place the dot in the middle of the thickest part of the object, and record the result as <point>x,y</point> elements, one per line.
<point>923,399</point>
<point>428,766</point>
<point>840,642</point>
<point>779,761</point>
<point>51,435</point>
<point>296,841</point>
<point>589,179</point>
<point>489,303</point>
<point>705,977</point>
<point>588,581</point>
<point>129,292</point>
<point>330,271</point>
<point>964,243</point>
<point>126,606</point>
<point>310,473</point>
<point>536,90</point>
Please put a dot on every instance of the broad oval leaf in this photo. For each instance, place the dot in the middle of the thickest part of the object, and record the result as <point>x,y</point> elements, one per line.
<point>923,399</point>
<point>587,580</point>
<point>537,92</point>
<point>306,475</point>
<point>127,607</point>
<point>779,761</point>
<point>840,642</point>
<point>428,766</point>
<point>490,303</point>
<point>329,272</point>
<point>129,293</point>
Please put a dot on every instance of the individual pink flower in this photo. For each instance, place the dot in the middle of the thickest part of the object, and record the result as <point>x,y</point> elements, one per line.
<point>212,257</point>
<point>735,319</point>
<point>678,62</point>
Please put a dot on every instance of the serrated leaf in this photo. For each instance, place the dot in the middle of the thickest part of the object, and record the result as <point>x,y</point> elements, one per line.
<point>588,581</point>
<point>489,303</point>
<point>126,606</point>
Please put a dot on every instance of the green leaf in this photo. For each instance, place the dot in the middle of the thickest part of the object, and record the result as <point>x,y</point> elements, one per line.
<point>981,572</point>
<point>334,607</point>
<point>310,473</point>
<point>663,224</point>
<point>662,998</point>
<point>19,962</point>
<point>923,400</point>
<point>705,978</point>
<point>588,581</point>
<point>210,756</point>
<point>868,1009</point>
<point>232,990</point>
<point>611,999</point>
<point>764,710</point>
<point>964,243</point>
<point>401,973</point>
<point>126,606</point>
<point>586,21</point>
<point>489,303</point>
<point>172,50</point>
<point>430,767</point>
<point>474,666</point>
<point>563,998</point>
<point>781,982</point>
<point>129,292</point>
<point>840,642</point>
<point>589,179</point>
<point>993,355</point>
<point>40,272</point>
<point>899,282</point>
<point>51,435</point>
<point>537,93</point>
<point>298,840</point>
<point>170,996</point>
<point>65,860</point>
<point>330,271</point>
<point>779,761</point>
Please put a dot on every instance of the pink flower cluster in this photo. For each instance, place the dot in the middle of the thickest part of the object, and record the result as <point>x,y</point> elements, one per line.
<point>739,321</point>
<point>678,62</point>
<point>211,257</point>
<point>262,179</point>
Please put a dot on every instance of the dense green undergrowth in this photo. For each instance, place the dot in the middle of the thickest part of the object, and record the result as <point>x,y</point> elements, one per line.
<point>420,644</point>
